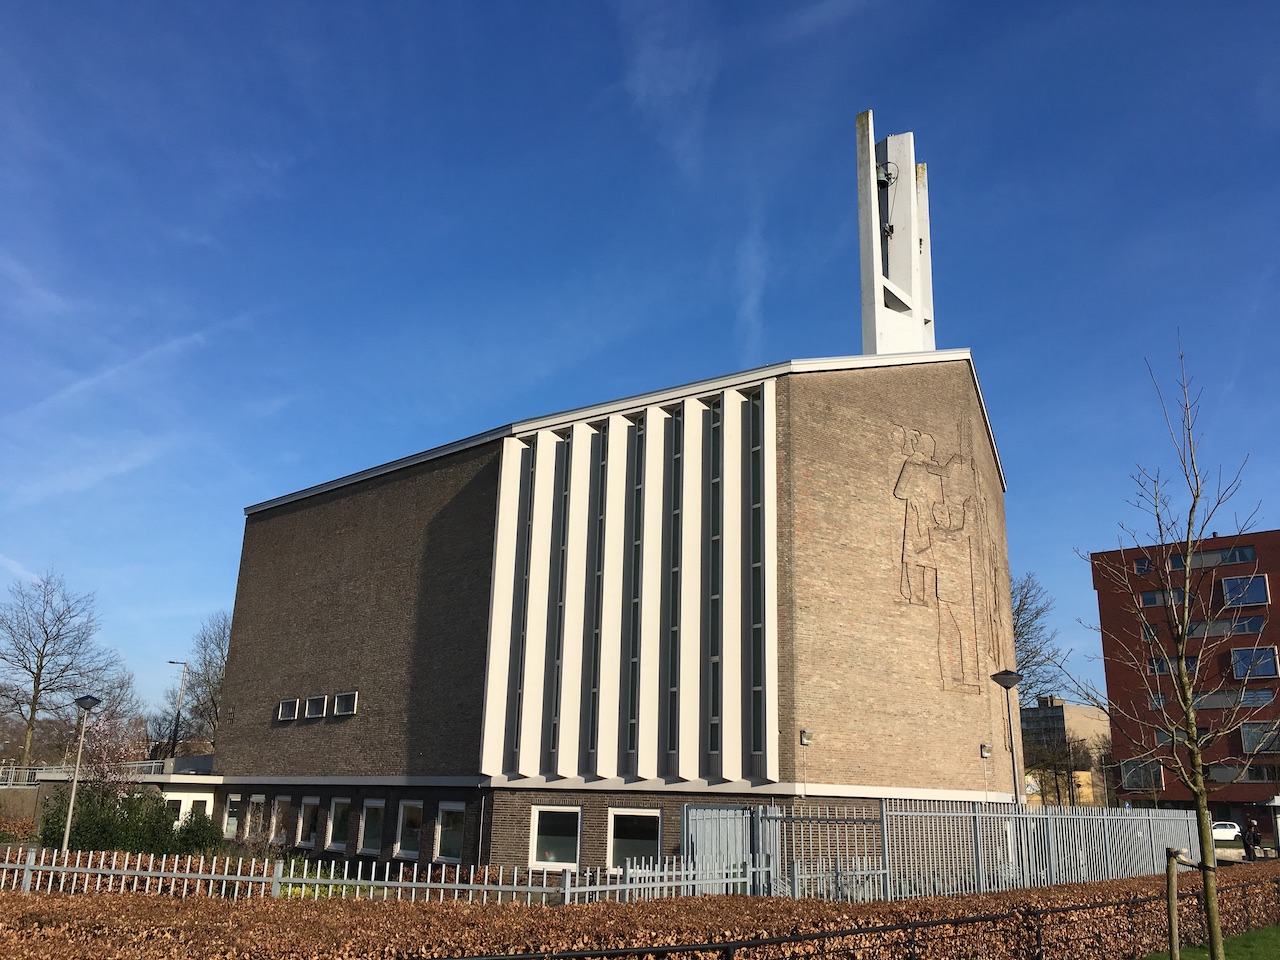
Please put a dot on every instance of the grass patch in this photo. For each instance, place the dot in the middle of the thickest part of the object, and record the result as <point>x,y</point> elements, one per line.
<point>1261,944</point>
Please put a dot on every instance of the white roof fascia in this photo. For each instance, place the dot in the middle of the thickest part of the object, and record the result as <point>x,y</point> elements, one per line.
<point>638,402</point>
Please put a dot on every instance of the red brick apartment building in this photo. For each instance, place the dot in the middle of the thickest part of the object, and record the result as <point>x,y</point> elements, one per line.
<point>1232,648</point>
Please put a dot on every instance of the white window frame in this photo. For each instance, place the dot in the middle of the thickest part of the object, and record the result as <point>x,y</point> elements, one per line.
<point>399,851</point>
<point>300,842</point>
<point>654,812</point>
<point>272,828</point>
<point>329,843</point>
<point>1249,577</point>
<point>280,710</point>
<point>1250,674</point>
<point>451,805</point>
<point>226,815</point>
<point>364,813</point>
<point>534,811</point>
<point>322,700</point>
<point>355,703</point>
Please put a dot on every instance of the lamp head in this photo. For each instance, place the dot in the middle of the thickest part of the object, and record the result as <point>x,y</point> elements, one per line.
<point>1007,678</point>
<point>87,702</point>
<point>985,751</point>
<point>806,737</point>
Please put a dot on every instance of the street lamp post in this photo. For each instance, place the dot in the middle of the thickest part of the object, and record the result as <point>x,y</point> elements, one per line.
<point>182,688</point>
<point>1010,679</point>
<point>806,738</point>
<point>85,703</point>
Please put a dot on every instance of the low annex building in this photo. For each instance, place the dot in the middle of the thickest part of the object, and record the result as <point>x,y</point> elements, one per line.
<point>537,645</point>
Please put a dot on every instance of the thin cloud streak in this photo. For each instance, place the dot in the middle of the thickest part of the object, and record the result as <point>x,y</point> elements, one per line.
<point>751,275</point>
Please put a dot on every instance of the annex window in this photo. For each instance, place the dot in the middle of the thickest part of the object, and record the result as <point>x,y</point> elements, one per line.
<point>409,829</point>
<point>281,810</point>
<point>1254,662</point>
<point>553,837</point>
<point>235,816</point>
<point>308,821</point>
<point>1214,558</point>
<point>1161,667</point>
<point>450,825</point>
<point>634,835</point>
<point>1226,628</point>
<point>257,815</point>
<point>1141,775</point>
<point>199,806</point>
<point>288,710</point>
<point>344,704</point>
<point>1262,737</point>
<point>174,809</point>
<point>371,826</point>
<point>316,707</point>
<point>1160,598</point>
<point>339,821</point>
<point>1244,591</point>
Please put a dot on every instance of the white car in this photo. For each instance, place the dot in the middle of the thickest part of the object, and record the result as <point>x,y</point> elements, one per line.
<point>1226,830</point>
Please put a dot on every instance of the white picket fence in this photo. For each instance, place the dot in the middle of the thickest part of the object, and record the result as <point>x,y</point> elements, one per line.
<point>34,870</point>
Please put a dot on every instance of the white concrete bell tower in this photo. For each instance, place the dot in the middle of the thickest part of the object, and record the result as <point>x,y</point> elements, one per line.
<point>893,232</point>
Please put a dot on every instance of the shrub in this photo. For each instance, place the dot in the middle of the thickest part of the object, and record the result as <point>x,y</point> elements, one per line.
<point>136,820</point>
<point>199,834</point>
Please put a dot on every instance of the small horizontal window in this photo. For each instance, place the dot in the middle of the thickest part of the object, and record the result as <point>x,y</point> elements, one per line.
<point>1226,628</point>
<point>1141,775</point>
<point>288,710</point>
<point>316,707</point>
<point>1150,633</point>
<point>1160,598</point>
<point>1161,667</point>
<point>344,704</point>
<point>1142,565</point>
<point>1256,698</point>
<point>1214,558</point>
<point>1230,699</point>
<point>1254,662</point>
<point>1244,591</point>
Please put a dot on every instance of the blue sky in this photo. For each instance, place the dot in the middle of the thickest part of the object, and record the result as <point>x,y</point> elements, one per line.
<point>246,248</point>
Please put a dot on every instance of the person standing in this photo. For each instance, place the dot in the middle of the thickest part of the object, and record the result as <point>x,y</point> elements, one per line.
<point>1252,837</point>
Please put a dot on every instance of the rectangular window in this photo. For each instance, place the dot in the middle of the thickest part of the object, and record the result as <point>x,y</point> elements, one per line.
<point>1141,775</point>
<point>1156,701</point>
<point>1160,667</point>
<point>634,835</point>
<point>339,822</point>
<point>257,816</point>
<point>199,806</point>
<point>288,710</point>
<point>1142,565</point>
<point>344,704</point>
<point>1214,558</point>
<point>308,821</point>
<point>371,827</point>
<point>316,707</point>
<point>235,815</point>
<point>1226,628</point>
<point>1160,598</point>
<point>450,826</point>
<point>1150,633</point>
<point>553,837</point>
<point>1230,699</point>
<point>1261,737</point>
<point>281,811</point>
<point>1254,662</point>
<point>1256,698</point>
<point>1166,737</point>
<point>1245,591</point>
<point>409,831</point>
<point>174,809</point>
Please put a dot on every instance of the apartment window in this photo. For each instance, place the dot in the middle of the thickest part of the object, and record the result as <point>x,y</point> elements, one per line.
<point>1160,598</point>
<point>308,821</point>
<point>409,829</point>
<point>288,710</point>
<point>1150,633</point>
<point>339,821</point>
<point>316,707</point>
<point>634,835</point>
<point>1226,628</point>
<point>1256,698</point>
<point>235,816</point>
<point>1254,662</point>
<point>1141,775</point>
<point>1245,591</point>
<point>1156,701</point>
<point>553,837</point>
<point>344,704</point>
<point>1162,667</point>
<point>450,824</point>
<point>1260,737</point>
<point>1142,565</point>
<point>371,826</point>
<point>1230,699</point>
<point>1177,734</point>
<point>281,808</point>
<point>1214,558</point>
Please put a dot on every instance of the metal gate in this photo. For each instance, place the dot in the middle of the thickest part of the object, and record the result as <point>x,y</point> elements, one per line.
<point>715,836</point>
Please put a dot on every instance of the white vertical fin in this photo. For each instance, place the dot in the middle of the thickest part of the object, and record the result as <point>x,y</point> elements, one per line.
<point>769,501</point>
<point>733,416</point>
<point>575,624</point>
<point>688,686</point>
<point>651,577</point>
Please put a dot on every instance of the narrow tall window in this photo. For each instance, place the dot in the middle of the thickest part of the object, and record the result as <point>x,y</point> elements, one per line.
<point>633,595</point>
<point>714,514</point>
<point>557,624</point>
<point>601,441</point>
<point>525,533</point>
<point>756,573</point>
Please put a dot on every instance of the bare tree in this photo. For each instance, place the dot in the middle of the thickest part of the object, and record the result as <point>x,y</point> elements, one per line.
<point>1033,639</point>
<point>1186,708</point>
<point>202,696</point>
<point>48,652</point>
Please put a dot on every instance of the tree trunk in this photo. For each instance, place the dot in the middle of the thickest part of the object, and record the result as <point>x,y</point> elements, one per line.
<point>1208,857</point>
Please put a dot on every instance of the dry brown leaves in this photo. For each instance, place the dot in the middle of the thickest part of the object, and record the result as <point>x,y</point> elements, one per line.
<point>134,926</point>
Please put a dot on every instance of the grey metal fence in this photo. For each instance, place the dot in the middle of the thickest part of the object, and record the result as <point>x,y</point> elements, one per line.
<point>892,849</point>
